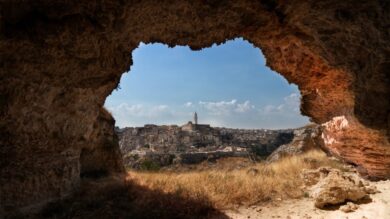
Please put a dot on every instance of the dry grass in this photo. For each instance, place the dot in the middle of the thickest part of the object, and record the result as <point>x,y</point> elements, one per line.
<point>245,186</point>
<point>201,192</point>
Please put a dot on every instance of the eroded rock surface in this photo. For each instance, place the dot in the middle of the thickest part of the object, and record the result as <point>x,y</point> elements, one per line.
<point>61,59</point>
<point>331,186</point>
<point>367,148</point>
<point>305,138</point>
<point>193,143</point>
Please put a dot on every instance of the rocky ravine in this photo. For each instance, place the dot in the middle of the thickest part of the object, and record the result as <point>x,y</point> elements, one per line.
<point>305,139</point>
<point>61,59</point>
<point>191,144</point>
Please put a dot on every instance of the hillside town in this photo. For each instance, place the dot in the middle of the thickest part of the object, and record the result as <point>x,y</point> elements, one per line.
<point>194,143</point>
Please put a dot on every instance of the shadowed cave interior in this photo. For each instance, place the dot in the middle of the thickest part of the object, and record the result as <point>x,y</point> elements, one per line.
<point>60,60</point>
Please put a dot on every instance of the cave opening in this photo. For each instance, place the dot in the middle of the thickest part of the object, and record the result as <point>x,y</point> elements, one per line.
<point>227,85</point>
<point>61,60</point>
<point>240,104</point>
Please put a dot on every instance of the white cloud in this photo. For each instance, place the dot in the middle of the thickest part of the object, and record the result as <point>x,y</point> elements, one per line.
<point>138,114</point>
<point>220,108</point>
<point>244,107</point>
<point>228,113</point>
<point>124,107</point>
<point>188,104</point>
<point>138,110</point>
<point>269,109</point>
<point>159,108</point>
<point>293,102</point>
<point>290,104</point>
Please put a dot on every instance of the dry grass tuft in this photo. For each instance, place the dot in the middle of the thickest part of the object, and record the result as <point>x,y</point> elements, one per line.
<point>250,185</point>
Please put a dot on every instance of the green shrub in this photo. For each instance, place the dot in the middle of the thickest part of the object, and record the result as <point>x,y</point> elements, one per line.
<point>149,165</point>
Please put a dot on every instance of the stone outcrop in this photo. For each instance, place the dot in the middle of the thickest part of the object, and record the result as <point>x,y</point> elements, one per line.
<point>366,148</point>
<point>305,139</point>
<point>61,59</point>
<point>331,186</point>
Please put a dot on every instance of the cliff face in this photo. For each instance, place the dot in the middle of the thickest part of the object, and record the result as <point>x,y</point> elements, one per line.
<point>305,139</point>
<point>61,59</point>
<point>195,143</point>
<point>200,137</point>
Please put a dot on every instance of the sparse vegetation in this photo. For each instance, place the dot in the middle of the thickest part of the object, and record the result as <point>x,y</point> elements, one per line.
<point>199,193</point>
<point>149,165</point>
<point>225,189</point>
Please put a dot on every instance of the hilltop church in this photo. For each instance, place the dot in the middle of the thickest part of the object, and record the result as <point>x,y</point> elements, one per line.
<point>194,126</point>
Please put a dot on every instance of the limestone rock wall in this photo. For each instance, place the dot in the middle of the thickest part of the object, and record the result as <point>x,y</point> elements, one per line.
<point>305,139</point>
<point>59,60</point>
<point>195,143</point>
<point>366,148</point>
<point>175,139</point>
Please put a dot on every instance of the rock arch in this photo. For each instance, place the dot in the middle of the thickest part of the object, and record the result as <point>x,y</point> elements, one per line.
<point>60,60</point>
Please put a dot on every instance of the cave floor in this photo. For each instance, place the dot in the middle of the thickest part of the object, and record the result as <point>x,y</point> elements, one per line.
<point>377,208</point>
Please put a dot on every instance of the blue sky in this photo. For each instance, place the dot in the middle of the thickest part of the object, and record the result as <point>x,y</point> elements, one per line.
<point>228,85</point>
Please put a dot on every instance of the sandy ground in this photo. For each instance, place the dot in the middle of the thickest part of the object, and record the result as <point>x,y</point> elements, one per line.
<point>378,208</point>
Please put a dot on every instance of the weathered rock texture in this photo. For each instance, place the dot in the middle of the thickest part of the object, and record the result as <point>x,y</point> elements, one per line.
<point>173,138</point>
<point>331,186</point>
<point>347,138</point>
<point>60,60</point>
<point>194,143</point>
<point>305,138</point>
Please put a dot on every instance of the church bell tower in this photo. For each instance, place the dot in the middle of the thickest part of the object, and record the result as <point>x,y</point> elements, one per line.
<point>195,118</point>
